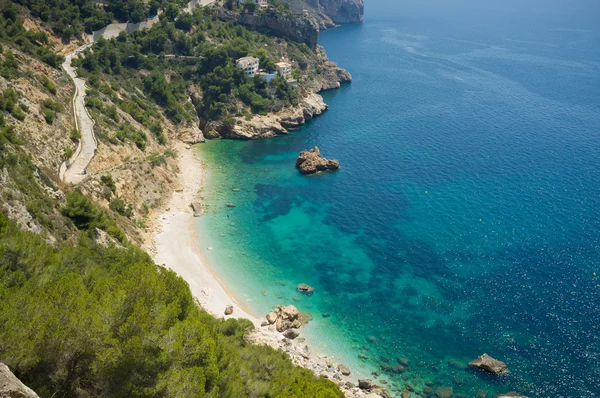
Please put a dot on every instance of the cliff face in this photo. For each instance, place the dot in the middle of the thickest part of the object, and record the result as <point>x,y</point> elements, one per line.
<point>300,29</point>
<point>341,11</point>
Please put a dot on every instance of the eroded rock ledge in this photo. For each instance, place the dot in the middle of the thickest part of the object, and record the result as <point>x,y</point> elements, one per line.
<point>311,162</point>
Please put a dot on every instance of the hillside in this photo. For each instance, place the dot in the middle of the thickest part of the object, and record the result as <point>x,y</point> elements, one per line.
<point>83,311</point>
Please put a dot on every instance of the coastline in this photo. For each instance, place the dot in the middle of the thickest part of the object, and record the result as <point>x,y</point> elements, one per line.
<point>174,244</point>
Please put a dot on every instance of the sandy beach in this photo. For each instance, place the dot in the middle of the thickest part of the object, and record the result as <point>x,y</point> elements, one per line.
<point>176,245</point>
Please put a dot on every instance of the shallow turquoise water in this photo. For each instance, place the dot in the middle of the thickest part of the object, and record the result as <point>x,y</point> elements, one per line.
<point>466,216</point>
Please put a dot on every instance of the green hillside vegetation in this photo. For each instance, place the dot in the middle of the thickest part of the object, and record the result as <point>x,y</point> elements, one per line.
<point>79,319</point>
<point>13,32</point>
<point>194,53</point>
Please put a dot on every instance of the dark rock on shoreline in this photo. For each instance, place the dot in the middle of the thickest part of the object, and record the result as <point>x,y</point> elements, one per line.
<point>311,162</point>
<point>489,364</point>
<point>229,309</point>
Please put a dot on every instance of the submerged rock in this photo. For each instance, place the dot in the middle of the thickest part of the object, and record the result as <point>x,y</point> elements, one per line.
<point>444,392</point>
<point>311,162</point>
<point>304,288</point>
<point>489,364</point>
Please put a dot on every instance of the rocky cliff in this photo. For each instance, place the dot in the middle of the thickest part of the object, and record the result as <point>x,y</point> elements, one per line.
<point>11,387</point>
<point>340,11</point>
<point>298,28</point>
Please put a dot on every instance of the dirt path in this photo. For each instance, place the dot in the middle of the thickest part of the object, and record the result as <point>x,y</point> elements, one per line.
<point>72,171</point>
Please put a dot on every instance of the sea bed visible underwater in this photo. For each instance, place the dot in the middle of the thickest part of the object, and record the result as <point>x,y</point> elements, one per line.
<point>466,215</point>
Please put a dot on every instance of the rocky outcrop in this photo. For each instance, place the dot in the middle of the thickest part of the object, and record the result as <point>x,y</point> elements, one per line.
<point>190,135</point>
<point>11,387</point>
<point>341,11</point>
<point>489,364</point>
<point>311,162</point>
<point>271,125</point>
<point>285,318</point>
<point>300,28</point>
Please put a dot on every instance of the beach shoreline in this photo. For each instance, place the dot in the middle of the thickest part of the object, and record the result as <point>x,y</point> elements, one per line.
<point>174,244</point>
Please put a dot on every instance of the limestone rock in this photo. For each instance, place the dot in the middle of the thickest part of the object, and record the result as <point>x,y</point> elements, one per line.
<point>304,288</point>
<point>489,364</point>
<point>344,370</point>
<point>290,312</point>
<point>229,309</point>
<point>287,317</point>
<point>11,387</point>
<point>191,135</point>
<point>197,209</point>
<point>511,394</point>
<point>341,11</point>
<point>271,317</point>
<point>405,394</point>
<point>311,162</point>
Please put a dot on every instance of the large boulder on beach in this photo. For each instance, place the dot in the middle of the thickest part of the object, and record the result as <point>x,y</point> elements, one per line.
<point>291,334</point>
<point>344,369</point>
<point>489,364</point>
<point>11,387</point>
<point>229,309</point>
<point>197,209</point>
<point>311,162</point>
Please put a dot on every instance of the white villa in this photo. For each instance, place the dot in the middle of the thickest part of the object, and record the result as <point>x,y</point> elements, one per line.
<point>261,4</point>
<point>285,69</point>
<point>249,64</point>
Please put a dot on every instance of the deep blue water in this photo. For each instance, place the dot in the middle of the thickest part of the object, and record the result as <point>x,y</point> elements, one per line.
<point>466,216</point>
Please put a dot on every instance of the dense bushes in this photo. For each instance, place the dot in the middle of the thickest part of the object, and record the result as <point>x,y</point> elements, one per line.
<point>33,43</point>
<point>89,320</point>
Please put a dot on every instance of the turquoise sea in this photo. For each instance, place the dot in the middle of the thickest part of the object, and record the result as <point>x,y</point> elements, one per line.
<point>466,216</point>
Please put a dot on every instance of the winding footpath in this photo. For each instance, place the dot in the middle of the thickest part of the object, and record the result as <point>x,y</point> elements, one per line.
<point>73,170</point>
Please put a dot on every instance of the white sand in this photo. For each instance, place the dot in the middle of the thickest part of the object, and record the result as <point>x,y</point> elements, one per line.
<point>176,244</point>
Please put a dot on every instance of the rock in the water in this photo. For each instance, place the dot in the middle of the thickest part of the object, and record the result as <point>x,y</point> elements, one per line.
<point>511,394</point>
<point>229,309</point>
<point>291,312</point>
<point>326,315</point>
<point>403,361</point>
<point>304,288</point>
<point>287,317</point>
<point>11,387</point>
<point>444,392</point>
<point>489,364</point>
<point>311,162</point>
<point>291,334</point>
<point>231,204</point>
<point>405,394</point>
<point>197,209</point>
<point>456,364</point>
<point>344,370</point>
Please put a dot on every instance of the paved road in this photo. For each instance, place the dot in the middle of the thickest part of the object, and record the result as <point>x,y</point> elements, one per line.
<point>74,173</point>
